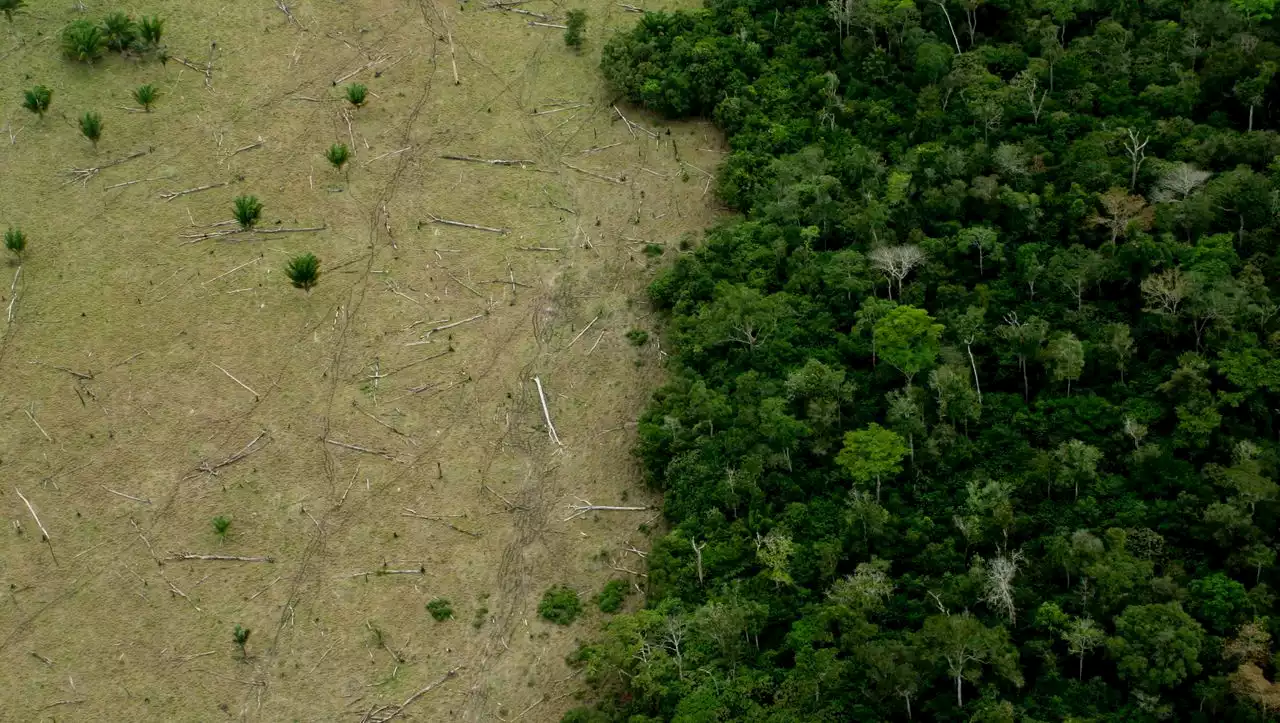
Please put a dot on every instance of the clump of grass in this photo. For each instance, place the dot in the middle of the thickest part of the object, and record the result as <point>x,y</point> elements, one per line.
<point>440,609</point>
<point>119,32</point>
<point>357,94</point>
<point>560,605</point>
<point>577,23</point>
<point>610,598</point>
<point>303,271</point>
<point>481,612</point>
<point>247,210</point>
<point>241,638</point>
<point>338,155</point>
<point>82,41</point>
<point>91,127</point>
<point>221,526</point>
<point>9,7</point>
<point>652,250</point>
<point>37,99</point>
<point>145,95</point>
<point>150,29</point>
<point>16,241</point>
<point>638,337</point>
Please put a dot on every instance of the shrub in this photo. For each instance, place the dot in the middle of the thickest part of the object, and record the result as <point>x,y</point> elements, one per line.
<point>560,605</point>
<point>577,22</point>
<point>611,597</point>
<point>357,94</point>
<point>37,99</point>
<point>145,95</point>
<point>440,609</point>
<point>91,127</point>
<point>247,210</point>
<point>241,637</point>
<point>638,337</point>
<point>221,525</point>
<point>653,250</point>
<point>151,28</point>
<point>16,241</point>
<point>338,155</point>
<point>303,271</point>
<point>119,32</point>
<point>82,41</point>
<point>9,7</point>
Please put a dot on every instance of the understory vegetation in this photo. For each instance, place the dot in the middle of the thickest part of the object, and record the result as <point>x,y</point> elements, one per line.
<point>971,414</point>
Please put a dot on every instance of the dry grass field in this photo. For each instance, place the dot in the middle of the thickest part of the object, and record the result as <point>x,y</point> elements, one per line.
<point>376,443</point>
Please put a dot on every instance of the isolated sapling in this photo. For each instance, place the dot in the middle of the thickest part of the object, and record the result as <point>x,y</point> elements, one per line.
<point>82,41</point>
<point>91,127</point>
<point>16,241</point>
<point>119,31</point>
<point>576,22</point>
<point>37,99</point>
<point>357,94</point>
<point>440,609</point>
<point>9,7</point>
<point>145,95</point>
<point>241,637</point>
<point>247,210</point>
<point>151,28</point>
<point>338,155</point>
<point>560,605</point>
<point>303,271</point>
<point>221,525</point>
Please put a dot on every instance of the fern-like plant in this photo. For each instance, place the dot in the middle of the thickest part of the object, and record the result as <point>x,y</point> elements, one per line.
<point>357,94</point>
<point>338,155</point>
<point>16,241</point>
<point>119,31</point>
<point>247,210</point>
<point>37,99</point>
<point>240,636</point>
<point>9,7</point>
<point>151,28</point>
<point>145,95</point>
<point>303,271</point>
<point>91,127</point>
<point>221,526</point>
<point>82,41</point>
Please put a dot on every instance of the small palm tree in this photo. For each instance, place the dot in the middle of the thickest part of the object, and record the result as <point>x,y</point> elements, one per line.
<point>241,637</point>
<point>357,94</point>
<point>151,28</point>
<point>9,7</point>
<point>119,31</point>
<point>247,210</point>
<point>221,526</point>
<point>16,241</point>
<point>338,155</point>
<point>82,41</point>
<point>37,99</point>
<point>91,127</point>
<point>145,95</point>
<point>303,271</point>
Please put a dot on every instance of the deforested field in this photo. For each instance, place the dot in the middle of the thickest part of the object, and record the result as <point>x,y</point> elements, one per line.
<point>375,444</point>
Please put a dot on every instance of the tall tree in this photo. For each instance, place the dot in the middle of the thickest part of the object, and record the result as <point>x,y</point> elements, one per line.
<point>908,339</point>
<point>871,454</point>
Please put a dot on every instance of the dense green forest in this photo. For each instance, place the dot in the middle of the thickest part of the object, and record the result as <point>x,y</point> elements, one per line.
<point>971,414</point>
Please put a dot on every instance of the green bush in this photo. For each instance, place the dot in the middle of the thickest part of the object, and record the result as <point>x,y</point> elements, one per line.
<point>151,28</point>
<point>247,210</point>
<point>119,32</point>
<point>638,337</point>
<point>560,605</point>
<point>610,598</point>
<point>241,637</point>
<point>221,526</point>
<point>357,94</point>
<point>82,41</point>
<point>37,99</point>
<point>338,155</point>
<point>577,23</point>
<point>303,271</point>
<point>440,609</point>
<point>91,127</point>
<point>145,95</point>
<point>9,7</point>
<point>16,241</point>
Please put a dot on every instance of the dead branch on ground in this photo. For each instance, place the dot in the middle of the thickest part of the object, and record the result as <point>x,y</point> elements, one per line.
<point>72,372</point>
<point>395,712</point>
<point>593,174</point>
<point>83,175</point>
<point>535,23</point>
<point>384,571</point>
<point>585,507</point>
<point>170,195</point>
<point>288,12</point>
<point>131,497</point>
<point>245,451</point>
<point>546,414</point>
<point>436,518</point>
<point>366,450</point>
<point>460,224</point>
<point>492,162</point>
<point>633,127</point>
<point>13,295</point>
<point>256,396</point>
<point>183,556</point>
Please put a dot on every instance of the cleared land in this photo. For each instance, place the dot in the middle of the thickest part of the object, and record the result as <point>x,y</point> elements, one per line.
<point>155,378</point>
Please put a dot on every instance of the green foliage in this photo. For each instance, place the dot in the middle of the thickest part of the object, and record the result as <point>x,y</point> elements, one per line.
<point>303,271</point>
<point>610,598</point>
<point>338,154</point>
<point>246,211</point>
<point>221,526</point>
<point>560,605</point>
<point>119,32</point>
<point>908,339</point>
<point>240,636</point>
<point>82,41</point>
<point>91,127</point>
<point>576,22</point>
<point>440,609</point>
<point>150,29</point>
<point>871,454</point>
<point>15,241</point>
<point>37,99</point>
<point>637,337</point>
<point>357,94</point>
<point>145,95</point>
<point>1156,646</point>
<point>9,7</point>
